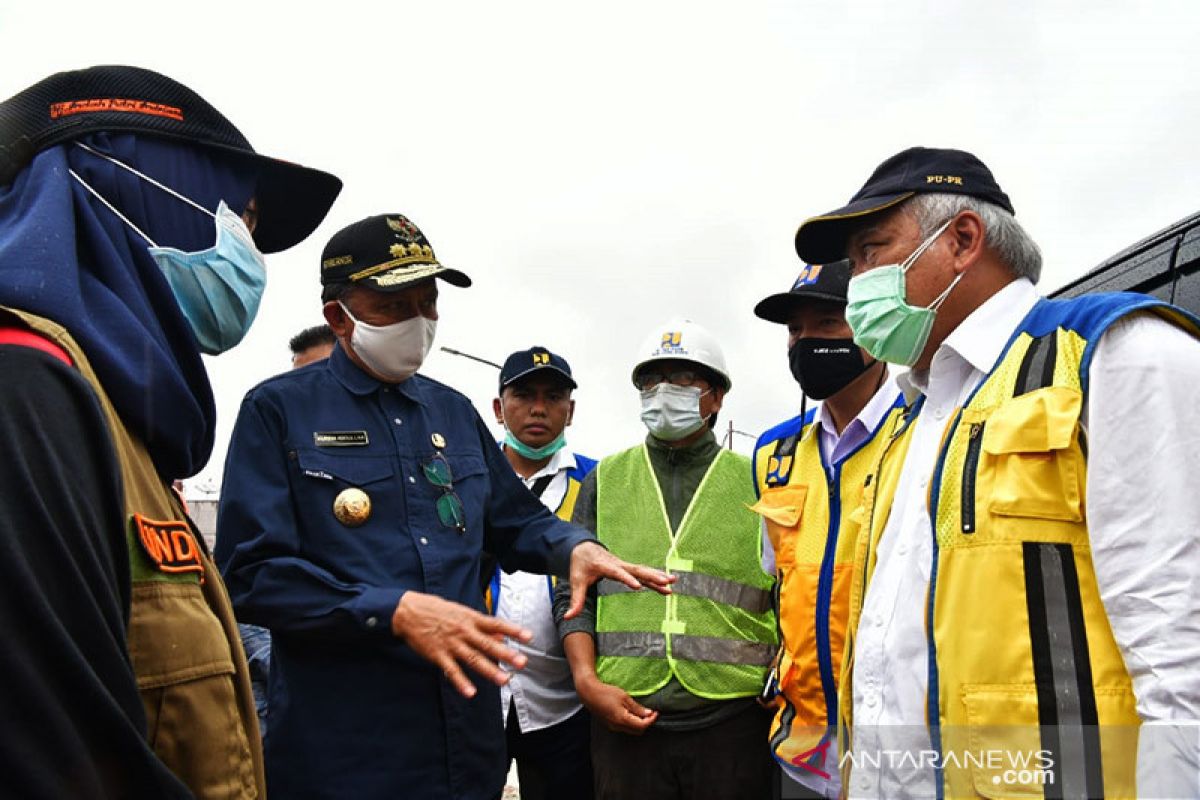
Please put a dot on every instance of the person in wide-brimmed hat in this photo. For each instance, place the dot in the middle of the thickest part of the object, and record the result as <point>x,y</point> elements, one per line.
<point>133,222</point>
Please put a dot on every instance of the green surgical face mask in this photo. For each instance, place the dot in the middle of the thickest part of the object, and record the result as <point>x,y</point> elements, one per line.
<point>535,453</point>
<point>883,322</point>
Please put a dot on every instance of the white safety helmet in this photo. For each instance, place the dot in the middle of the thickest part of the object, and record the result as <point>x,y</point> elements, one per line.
<point>683,340</point>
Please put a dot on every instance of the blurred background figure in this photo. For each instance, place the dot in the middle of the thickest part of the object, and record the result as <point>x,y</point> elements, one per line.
<point>311,344</point>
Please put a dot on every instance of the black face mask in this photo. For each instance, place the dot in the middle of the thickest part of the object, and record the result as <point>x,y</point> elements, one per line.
<point>823,367</point>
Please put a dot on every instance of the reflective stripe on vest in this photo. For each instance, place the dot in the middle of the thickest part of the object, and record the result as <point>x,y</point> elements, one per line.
<point>694,584</point>
<point>715,633</point>
<point>691,648</point>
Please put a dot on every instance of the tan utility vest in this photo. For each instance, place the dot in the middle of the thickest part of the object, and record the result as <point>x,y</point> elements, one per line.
<point>183,638</point>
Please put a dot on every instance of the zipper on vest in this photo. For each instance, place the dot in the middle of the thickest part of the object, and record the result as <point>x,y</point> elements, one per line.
<point>970,466</point>
<point>833,483</point>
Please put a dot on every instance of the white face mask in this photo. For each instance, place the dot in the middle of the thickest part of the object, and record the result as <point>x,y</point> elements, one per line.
<point>393,352</point>
<point>672,412</point>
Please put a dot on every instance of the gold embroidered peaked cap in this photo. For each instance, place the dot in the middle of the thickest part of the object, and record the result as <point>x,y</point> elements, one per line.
<point>387,253</point>
<point>916,170</point>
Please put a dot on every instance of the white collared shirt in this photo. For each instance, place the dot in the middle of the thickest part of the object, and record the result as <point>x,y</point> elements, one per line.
<point>543,691</point>
<point>1144,526</point>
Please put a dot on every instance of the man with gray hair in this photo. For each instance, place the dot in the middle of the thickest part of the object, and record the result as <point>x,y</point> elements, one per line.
<point>1024,593</point>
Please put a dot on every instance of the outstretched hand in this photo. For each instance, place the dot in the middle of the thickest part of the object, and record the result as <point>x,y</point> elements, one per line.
<point>590,562</point>
<point>453,636</point>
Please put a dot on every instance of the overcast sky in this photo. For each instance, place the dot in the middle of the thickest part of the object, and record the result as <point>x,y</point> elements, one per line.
<point>599,168</point>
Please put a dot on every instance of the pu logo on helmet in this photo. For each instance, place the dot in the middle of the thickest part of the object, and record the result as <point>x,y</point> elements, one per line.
<point>541,359</point>
<point>808,275</point>
<point>672,342</point>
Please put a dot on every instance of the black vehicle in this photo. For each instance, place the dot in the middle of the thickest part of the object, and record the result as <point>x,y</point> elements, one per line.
<point>1165,265</point>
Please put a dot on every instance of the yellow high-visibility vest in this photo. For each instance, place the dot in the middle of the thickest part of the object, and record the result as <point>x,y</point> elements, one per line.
<point>1022,660</point>
<point>803,502</point>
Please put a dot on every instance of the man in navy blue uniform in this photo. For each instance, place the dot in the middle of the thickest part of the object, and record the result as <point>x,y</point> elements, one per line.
<point>358,496</point>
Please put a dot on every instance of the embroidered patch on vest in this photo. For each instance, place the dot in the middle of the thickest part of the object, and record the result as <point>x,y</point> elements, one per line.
<point>340,438</point>
<point>170,545</point>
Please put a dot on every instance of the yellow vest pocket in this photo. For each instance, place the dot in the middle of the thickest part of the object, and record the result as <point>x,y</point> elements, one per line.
<point>1002,750</point>
<point>1031,462</point>
<point>782,508</point>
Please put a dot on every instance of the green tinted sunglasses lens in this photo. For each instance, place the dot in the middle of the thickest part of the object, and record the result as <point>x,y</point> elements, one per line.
<point>437,471</point>
<point>450,511</point>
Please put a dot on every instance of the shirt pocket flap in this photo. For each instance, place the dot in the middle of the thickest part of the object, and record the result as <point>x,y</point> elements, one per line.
<point>465,465</point>
<point>1038,422</point>
<point>357,470</point>
<point>783,505</point>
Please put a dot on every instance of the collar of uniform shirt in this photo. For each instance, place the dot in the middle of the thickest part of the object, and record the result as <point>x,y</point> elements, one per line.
<point>860,427</point>
<point>981,337</point>
<point>359,382</point>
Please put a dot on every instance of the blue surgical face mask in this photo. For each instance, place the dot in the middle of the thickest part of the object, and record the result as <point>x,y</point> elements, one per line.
<point>218,289</point>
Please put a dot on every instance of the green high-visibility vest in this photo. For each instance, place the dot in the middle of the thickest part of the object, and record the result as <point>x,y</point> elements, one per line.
<point>716,633</point>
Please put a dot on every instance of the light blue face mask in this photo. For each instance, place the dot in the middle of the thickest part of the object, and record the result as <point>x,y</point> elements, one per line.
<point>218,289</point>
<point>534,453</point>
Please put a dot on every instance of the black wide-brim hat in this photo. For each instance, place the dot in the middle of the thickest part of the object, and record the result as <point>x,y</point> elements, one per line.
<point>292,199</point>
<point>910,172</point>
<point>825,282</point>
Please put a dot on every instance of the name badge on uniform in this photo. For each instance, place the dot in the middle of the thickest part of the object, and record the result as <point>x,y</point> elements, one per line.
<point>340,438</point>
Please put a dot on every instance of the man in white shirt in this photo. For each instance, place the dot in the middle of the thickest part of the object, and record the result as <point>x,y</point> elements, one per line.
<point>547,729</point>
<point>1026,614</point>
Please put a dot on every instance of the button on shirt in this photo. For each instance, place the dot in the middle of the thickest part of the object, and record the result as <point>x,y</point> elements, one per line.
<point>543,692</point>
<point>1143,524</point>
<point>355,712</point>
